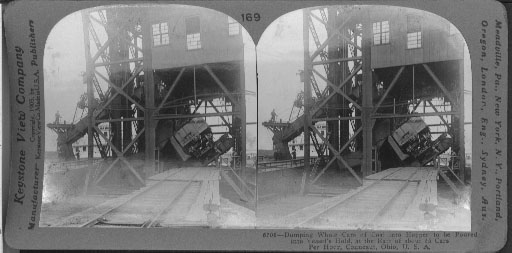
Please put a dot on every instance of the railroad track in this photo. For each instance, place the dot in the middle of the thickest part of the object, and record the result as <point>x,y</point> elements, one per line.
<point>376,202</point>
<point>163,201</point>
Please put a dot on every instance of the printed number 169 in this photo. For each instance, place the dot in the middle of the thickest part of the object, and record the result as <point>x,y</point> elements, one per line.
<point>251,17</point>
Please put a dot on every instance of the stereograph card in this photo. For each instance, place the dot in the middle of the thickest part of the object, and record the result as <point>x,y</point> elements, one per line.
<point>257,125</point>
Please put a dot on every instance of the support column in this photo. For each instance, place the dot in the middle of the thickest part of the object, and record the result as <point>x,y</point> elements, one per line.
<point>334,76</point>
<point>460,107</point>
<point>243,118</point>
<point>90,92</point>
<point>307,100</point>
<point>149,92</point>
<point>90,97</point>
<point>367,109</point>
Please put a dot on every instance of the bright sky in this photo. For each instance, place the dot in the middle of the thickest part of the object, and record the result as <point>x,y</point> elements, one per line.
<point>64,61</point>
<point>280,57</point>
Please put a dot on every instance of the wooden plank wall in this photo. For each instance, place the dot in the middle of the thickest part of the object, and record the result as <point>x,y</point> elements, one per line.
<point>437,43</point>
<point>216,44</point>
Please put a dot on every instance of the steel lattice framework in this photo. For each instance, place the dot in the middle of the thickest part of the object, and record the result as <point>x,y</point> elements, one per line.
<point>115,58</point>
<point>343,62</point>
<point>121,91</point>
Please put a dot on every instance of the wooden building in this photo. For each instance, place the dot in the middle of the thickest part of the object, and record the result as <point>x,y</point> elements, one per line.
<point>405,36</point>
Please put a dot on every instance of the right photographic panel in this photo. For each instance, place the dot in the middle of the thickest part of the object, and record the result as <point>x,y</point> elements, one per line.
<point>364,121</point>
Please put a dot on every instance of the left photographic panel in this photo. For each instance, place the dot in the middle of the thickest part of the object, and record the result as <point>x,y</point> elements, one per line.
<point>148,119</point>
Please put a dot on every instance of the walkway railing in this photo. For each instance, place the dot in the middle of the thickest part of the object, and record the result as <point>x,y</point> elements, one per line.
<point>283,164</point>
<point>54,167</point>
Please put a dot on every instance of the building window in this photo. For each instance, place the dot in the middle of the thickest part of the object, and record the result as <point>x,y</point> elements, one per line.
<point>193,30</point>
<point>413,40</point>
<point>381,33</point>
<point>160,34</point>
<point>413,32</point>
<point>301,147</point>
<point>233,27</point>
<point>85,148</point>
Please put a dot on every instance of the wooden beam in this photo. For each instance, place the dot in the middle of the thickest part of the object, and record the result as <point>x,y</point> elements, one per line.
<point>221,116</point>
<point>197,106</point>
<point>336,118</point>
<point>428,198</point>
<point>119,90</point>
<point>388,90</point>
<point>440,116</point>
<point>119,120</point>
<point>367,91</point>
<point>317,18</point>
<point>170,90</point>
<point>355,58</point>
<point>104,105</point>
<point>416,106</point>
<point>323,170</point>
<point>439,84</point>
<point>460,108</point>
<point>90,96</point>
<point>234,186</point>
<point>134,172</point>
<point>134,140</point>
<point>119,156</point>
<point>105,172</point>
<point>307,100</point>
<point>188,116</point>
<point>117,62</point>
<point>428,114</point>
<point>337,154</point>
<point>338,89</point>
<point>101,50</point>
<point>336,32</point>
<point>221,85</point>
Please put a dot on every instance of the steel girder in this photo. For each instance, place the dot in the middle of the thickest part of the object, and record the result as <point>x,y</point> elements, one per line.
<point>118,51</point>
<point>334,29</point>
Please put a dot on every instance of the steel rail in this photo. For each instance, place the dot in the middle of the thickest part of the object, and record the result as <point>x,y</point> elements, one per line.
<point>96,218</point>
<point>392,199</point>
<point>150,222</point>
<point>343,200</point>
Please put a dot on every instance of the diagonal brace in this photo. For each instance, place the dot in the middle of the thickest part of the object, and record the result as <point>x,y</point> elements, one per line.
<point>138,70</point>
<point>222,117</point>
<point>170,90</point>
<point>440,116</point>
<point>438,82</point>
<point>388,90</point>
<point>120,156</point>
<point>221,85</point>
<point>120,91</point>
<point>338,156</point>
<point>337,90</point>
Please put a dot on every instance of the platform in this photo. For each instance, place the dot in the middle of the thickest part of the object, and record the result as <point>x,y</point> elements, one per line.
<point>398,198</point>
<point>177,197</point>
<point>405,173</point>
